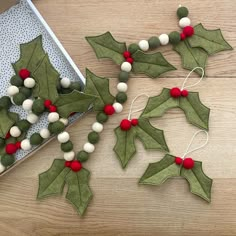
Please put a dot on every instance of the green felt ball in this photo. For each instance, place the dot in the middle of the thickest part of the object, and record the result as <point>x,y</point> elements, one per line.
<point>182,12</point>
<point>75,86</point>
<point>23,125</point>
<point>123,76</point>
<point>93,137</point>
<point>66,90</point>
<point>7,160</point>
<point>38,107</point>
<point>101,117</point>
<point>2,142</point>
<point>19,98</point>
<point>5,102</point>
<point>174,37</point>
<point>154,42</point>
<point>121,97</point>
<point>67,147</point>
<point>26,91</point>
<point>56,127</point>
<point>133,48</point>
<point>36,139</point>
<point>82,156</point>
<point>16,80</point>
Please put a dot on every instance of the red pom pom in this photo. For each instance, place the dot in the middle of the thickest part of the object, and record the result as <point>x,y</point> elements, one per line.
<point>175,92</point>
<point>47,103</point>
<point>184,93</point>
<point>125,124</point>
<point>18,145</point>
<point>52,108</point>
<point>134,122</point>
<point>188,163</point>
<point>178,160</point>
<point>109,110</point>
<point>130,60</point>
<point>188,31</point>
<point>10,148</point>
<point>8,135</point>
<point>126,54</point>
<point>76,166</point>
<point>182,36</point>
<point>24,73</point>
<point>68,163</point>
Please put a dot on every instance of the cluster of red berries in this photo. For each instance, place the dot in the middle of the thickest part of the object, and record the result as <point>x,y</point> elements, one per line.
<point>74,165</point>
<point>188,163</point>
<point>128,57</point>
<point>126,124</point>
<point>176,92</point>
<point>24,73</point>
<point>48,104</point>
<point>11,148</point>
<point>188,31</point>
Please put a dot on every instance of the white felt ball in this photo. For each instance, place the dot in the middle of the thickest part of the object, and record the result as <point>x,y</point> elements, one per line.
<point>118,107</point>
<point>12,90</point>
<point>65,82</point>
<point>32,118</point>
<point>53,117</point>
<point>64,121</point>
<point>122,87</point>
<point>15,132</point>
<point>185,21</point>
<point>143,45</point>
<point>44,133</point>
<point>29,82</point>
<point>89,147</point>
<point>12,101</point>
<point>126,66</point>
<point>97,127</point>
<point>69,156</point>
<point>27,105</point>
<point>63,137</point>
<point>25,145</point>
<point>164,39</point>
<point>2,168</point>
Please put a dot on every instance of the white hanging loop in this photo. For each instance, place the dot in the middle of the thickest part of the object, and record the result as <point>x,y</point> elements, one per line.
<point>197,148</point>
<point>132,103</point>
<point>192,85</point>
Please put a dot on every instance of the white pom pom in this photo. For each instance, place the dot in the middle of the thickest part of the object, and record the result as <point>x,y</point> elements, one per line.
<point>44,133</point>
<point>32,118</point>
<point>118,107</point>
<point>164,39</point>
<point>53,117</point>
<point>2,167</point>
<point>69,156</point>
<point>97,127</point>
<point>122,87</point>
<point>29,82</point>
<point>64,121</point>
<point>27,105</point>
<point>185,21</point>
<point>25,145</point>
<point>65,82</point>
<point>15,132</point>
<point>89,147</point>
<point>12,90</point>
<point>63,137</point>
<point>143,45</point>
<point>126,66</point>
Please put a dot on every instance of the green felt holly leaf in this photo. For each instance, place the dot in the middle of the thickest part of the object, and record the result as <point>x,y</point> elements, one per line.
<point>151,137</point>
<point>99,88</point>
<point>105,46</point>
<point>73,102</point>
<point>196,113</point>
<point>31,55</point>
<point>79,193</point>
<point>212,41</point>
<point>200,184</point>
<point>152,65</point>
<point>52,181</point>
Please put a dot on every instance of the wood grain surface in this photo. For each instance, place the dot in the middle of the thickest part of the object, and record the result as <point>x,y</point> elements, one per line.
<point>120,206</point>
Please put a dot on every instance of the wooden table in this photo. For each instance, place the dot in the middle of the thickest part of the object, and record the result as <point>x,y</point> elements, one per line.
<point>120,206</point>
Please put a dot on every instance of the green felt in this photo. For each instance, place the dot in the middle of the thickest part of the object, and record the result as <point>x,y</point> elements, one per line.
<point>2,142</point>
<point>56,127</point>
<point>26,91</point>
<point>23,125</point>
<point>121,97</point>
<point>105,46</point>
<point>7,160</point>
<point>5,102</point>
<point>154,42</point>
<point>123,76</point>
<point>101,117</point>
<point>16,80</point>
<point>82,156</point>
<point>93,137</point>
<point>73,102</point>
<point>19,98</point>
<point>98,87</point>
<point>75,86</point>
<point>38,106</point>
<point>212,41</point>
<point>174,37</point>
<point>152,65</point>
<point>67,147</point>
<point>182,12</point>
<point>52,181</point>
<point>79,193</point>
<point>200,184</point>
<point>36,139</point>
<point>65,90</point>
<point>132,48</point>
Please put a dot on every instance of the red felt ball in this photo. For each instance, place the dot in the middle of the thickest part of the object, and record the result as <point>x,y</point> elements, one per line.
<point>188,31</point>
<point>130,60</point>
<point>175,92</point>
<point>47,103</point>
<point>134,122</point>
<point>52,108</point>
<point>125,124</point>
<point>109,110</point>
<point>8,135</point>
<point>126,54</point>
<point>178,160</point>
<point>188,163</point>
<point>182,36</point>
<point>24,73</point>
<point>10,148</point>
<point>18,145</point>
<point>68,163</point>
<point>76,166</point>
<point>184,93</point>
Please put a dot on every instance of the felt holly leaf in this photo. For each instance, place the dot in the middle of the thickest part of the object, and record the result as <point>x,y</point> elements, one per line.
<point>152,65</point>
<point>196,113</point>
<point>99,88</point>
<point>212,41</point>
<point>52,181</point>
<point>105,46</point>
<point>46,78</point>
<point>200,184</point>
<point>73,102</point>
<point>158,172</point>
<point>151,137</point>
<point>79,193</point>
<point>31,55</point>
